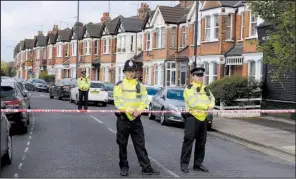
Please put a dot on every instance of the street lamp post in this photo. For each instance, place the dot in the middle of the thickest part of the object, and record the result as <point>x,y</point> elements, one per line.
<point>196,31</point>
<point>77,32</point>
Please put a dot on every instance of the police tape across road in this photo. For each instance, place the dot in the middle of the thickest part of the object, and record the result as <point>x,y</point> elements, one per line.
<point>146,111</point>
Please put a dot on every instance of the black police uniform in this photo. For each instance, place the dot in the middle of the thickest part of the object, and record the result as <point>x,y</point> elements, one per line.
<point>125,127</point>
<point>194,130</point>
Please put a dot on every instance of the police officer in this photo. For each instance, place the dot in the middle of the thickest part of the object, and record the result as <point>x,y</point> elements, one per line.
<point>83,84</point>
<point>130,96</point>
<point>197,97</point>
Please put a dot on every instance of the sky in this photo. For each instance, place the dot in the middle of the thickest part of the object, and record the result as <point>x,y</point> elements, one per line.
<point>23,19</point>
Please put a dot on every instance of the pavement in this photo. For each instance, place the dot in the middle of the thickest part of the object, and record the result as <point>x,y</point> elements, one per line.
<point>270,132</point>
<point>84,145</point>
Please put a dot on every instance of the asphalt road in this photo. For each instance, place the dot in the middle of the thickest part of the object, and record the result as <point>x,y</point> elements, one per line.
<point>84,145</point>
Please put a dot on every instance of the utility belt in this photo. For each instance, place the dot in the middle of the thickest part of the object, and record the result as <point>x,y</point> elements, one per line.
<point>124,117</point>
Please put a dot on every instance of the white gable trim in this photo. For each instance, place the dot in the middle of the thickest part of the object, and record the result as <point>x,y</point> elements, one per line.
<point>105,31</point>
<point>192,10</point>
<point>157,12</point>
<point>86,34</point>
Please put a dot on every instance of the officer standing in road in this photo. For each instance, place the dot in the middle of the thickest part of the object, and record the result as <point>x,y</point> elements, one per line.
<point>130,95</point>
<point>197,97</point>
<point>83,87</point>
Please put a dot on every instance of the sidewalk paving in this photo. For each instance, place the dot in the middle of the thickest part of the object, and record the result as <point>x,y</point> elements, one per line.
<point>278,135</point>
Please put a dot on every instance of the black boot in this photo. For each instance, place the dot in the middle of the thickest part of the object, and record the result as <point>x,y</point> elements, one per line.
<point>200,168</point>
<point>185,170</point>
<point>150,171</point>
<point>124,172</point>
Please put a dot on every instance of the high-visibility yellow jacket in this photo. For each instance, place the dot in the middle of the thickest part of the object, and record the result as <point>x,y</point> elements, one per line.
<point>83,83</point>
<point>127,97</point>
<point>195,100</point>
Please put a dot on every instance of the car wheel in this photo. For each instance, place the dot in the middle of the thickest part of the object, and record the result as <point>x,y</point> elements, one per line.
<point>163,120</point>
<point>71,101</point>
<point>76,100</point>
<point>7,157</point>
<point>59,96</point>
<point>104,104</point>
<point>150,115</point>
<point>50,95</point>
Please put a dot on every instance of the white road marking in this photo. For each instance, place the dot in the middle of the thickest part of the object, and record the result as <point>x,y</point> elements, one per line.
<point>31,132</point>
<point>20,166</point>
<point>96,119</point>
<point>23,157</point>
<point>111,130</point>
<point>16,175</point>
<point>26,150</point>
<point>28,143</point>
<point>271,152</point>
<point>164,168</point>
<point>290,147</point>
<point>30,137</point>
<point>42,95</point>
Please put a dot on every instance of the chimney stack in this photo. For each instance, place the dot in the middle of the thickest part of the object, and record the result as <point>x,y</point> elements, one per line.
<point>55,28</point>
<point>186,4</point>
<point>106,17</point>
<point>40,33</point>
<point>143,10</point>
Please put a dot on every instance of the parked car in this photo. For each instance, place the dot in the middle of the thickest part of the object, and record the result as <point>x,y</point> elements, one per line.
<point>97,93</point>
<point>152,91</point>
<point>35,84</point>
<point>110,87</point>
<point>170,99</point>
<point>14,98</point>
<point>61,89</point>
<point>6,139</point>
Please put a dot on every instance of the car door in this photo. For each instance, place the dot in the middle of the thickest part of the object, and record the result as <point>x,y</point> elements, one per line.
<point>157,101</point>
<point>56,87</point>
<point>22,94</point>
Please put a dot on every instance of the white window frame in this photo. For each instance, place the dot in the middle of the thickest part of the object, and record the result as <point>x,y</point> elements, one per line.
<point>106,45</point>
<point>148,41</point>
<point>229,27</point>
<point>251,76</point>
<point>183,69</point>
<point>216,27</point>
<point>170,70</point>
<point>147,75</point>
<point>242,25</point>
<point>50,52</point>
<point>140,41</point>
<point>74,48</point>
<point>173,35</point>
<point>156,74</point>
<point>44,52</point>
<point>123,43</point>
<point>208,28</point>
<point>253,23</point>
<point>161,74</point>
<point>119,44</point>
<point>38,52</point>
<point>206,80</point>
<point>162,37</point>
<point>157,38</point>
<point>184,36</point>
<point>96,47</point>
<point>132,43</point>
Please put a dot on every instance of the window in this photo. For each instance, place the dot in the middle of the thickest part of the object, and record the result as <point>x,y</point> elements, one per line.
<point>105,46</point>
<point>147,79</point>
<point>163,37</point>
<point>59,50</point>
<point>157,35</point>
<point>119,44</point>
<point>97,85</point>
<point>161,74</point>
<point>242,26</point>
<point>252,70</point>
<point>229,27</point>
<point>213,72</point>
<point>170,73</point>
<point>184,35</point>
<point>151,91</point>
<point>183,74</point>
<point>44,53</point>
<point>206,74</point>
<point>74,48</point>
<point>208,28</point>
<point>173,37</point>
<point>67,50</point>
<point>148,41</point>
<point>253,22</point>
<point>216,26</point>
<point>85,47</point>
<point>156,74</point>
<point>106,74</point>
<point>175,94</point>
<point>132,44</point>
<point>38,53</point>
<point>140,41</point>
<point>123,43</point>
<point>96,50</point>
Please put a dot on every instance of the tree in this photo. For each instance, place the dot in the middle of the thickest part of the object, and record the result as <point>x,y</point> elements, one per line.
<point>279,49</point>
<point>4,68</point>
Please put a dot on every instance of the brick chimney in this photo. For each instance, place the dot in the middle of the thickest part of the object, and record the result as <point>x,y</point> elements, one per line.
<point>55,29</point>
<point>143,10</point>
<point>106,17</point>
<point>186,4</point>
<point>40,33</point>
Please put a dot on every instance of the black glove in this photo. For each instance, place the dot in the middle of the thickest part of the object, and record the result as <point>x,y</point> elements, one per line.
<point>117,114</point>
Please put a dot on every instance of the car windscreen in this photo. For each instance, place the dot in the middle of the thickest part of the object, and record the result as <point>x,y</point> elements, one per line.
<point>97,85</point>
<point>175,94</point>
<point>39,81</point>
<point>152,91</point>
<point>7,93</point>
<point>109,87</point>
<point>69,82</point>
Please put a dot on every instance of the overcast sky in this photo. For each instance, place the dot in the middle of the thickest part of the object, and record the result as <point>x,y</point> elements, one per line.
<point>23,19</point>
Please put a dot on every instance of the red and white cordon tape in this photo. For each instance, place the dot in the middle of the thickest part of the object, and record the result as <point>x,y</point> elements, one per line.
<point>145,111</point>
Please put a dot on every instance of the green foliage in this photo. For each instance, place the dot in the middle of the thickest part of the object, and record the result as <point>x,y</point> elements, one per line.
<point>44,75</point>
<point>231,88</point>
<point>7,70</point>
<point>279,49</point>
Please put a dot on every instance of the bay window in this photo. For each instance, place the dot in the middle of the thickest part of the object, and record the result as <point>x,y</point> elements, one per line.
<point>208,28</point>
<point>170,73</point>
<point>184,36</point>
<point>148,40</point>
<point>162,45</point>
<point>173,33</point>
<point>147,75</point>
<point>156,71</point>
<point>229,27</point>
<point>253,24</point>
<point>216,26</point>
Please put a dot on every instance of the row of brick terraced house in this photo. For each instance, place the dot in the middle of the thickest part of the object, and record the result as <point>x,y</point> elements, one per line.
<point>160,41</point>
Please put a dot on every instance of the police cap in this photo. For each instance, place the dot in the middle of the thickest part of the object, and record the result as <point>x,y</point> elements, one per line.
<point>198,71</point>
<point>130,65</point>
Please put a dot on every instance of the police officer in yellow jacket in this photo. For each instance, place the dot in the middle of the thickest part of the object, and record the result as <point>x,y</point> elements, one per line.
<point>83,84</point>
<point>130,96</point>
<point>198,99</point>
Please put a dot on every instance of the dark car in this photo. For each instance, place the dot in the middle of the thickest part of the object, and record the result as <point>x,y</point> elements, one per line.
<point>61,89</point>
<point>110,87</point>
<point>14,98</point>
<point>35,84</point>
<point>6,139</point>
<point>170,99</point>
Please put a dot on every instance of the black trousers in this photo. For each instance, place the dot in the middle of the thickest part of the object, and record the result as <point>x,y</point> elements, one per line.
<point>125,127</point>
<point>83,95</point>
<point>194,130</point>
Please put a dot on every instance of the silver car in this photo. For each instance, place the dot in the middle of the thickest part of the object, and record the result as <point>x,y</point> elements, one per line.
<point>6,139</point>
